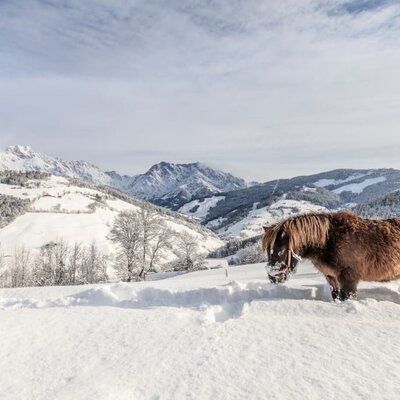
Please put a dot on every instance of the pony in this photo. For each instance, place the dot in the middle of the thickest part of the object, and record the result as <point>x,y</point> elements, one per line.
<point>342,246</point>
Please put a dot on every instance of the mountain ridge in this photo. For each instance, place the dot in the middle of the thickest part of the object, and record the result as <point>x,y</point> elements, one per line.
<point>166,184</point>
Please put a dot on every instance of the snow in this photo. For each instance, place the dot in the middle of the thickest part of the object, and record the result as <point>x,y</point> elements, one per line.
<point>351,187</point>
<point>33,230</point>
<point>359,187</point>
<point>73,202</point>
<point>252,224</point>
<point>328,182</point>
<point>200,336</point>
<point>203,207</point>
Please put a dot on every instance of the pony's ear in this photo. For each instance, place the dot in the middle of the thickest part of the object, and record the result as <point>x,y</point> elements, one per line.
<point>265,228</point>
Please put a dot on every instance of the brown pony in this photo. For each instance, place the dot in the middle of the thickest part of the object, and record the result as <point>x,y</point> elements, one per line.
<point>343,246</point>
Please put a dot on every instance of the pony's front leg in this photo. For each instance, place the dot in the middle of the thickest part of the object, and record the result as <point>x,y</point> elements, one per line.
<point>334,284</point>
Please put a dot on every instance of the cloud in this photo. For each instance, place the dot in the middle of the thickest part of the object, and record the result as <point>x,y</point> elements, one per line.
<point>265,89</point>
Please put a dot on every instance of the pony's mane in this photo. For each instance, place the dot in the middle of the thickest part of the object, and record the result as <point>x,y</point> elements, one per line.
<point>302,230</point>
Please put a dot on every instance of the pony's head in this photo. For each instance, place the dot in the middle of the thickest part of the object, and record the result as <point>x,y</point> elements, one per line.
<point>285,242</point>
<point>282,261</point>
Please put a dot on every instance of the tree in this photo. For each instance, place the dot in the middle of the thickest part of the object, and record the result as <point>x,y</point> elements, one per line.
<point>162,242</point>
<point>61,254</point>
<point>19,267</point>
<point>251,255</point>
<point>126,234</point>
<point>94,265</point>
<point>73,262</point>
<point>148,223</point>
<point>141,237</point>
<point>188,253</point>
<point>4,271</point>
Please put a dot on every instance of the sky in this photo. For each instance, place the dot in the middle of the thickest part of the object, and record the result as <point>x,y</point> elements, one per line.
<point>260,88</point>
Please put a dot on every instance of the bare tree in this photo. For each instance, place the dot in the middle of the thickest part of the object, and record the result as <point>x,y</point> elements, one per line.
<point>188,253</point>
<point>19,267</point>
<point>44,270</point>
<point>61,254</point>
<point>141,236</point>
<point>126,234</point>
<point>154,238</point>
<point>162,242</point>
<point>73,262</point>
<point>94,265</point>
<point>4,271</point>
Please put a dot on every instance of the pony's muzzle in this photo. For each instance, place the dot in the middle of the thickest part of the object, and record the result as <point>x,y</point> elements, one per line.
<point>278,272</point>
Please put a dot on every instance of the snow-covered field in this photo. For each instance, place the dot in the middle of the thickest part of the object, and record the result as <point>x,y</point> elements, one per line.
<point>201,336</point>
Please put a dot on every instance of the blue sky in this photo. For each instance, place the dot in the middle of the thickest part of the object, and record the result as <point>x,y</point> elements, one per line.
<point>263,89</point>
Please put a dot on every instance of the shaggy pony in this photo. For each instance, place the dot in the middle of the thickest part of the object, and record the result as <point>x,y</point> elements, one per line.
<point>343,246</point>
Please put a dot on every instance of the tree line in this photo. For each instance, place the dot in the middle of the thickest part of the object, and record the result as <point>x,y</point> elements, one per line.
<point>58,263</point>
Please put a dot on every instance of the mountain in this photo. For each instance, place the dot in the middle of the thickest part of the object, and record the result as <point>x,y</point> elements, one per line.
<point>166,184</point>
<point>243,212</point>
<point>172,185</point>
<point>23,158</point>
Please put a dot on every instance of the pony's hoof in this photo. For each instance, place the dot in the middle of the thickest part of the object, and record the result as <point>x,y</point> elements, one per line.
<point>334,294</point>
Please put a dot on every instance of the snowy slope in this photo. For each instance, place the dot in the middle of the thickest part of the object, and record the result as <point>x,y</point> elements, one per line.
<point>359,187</point>
<point>199,209</point>
<point>252,224</point>
<point>64,210</point>
<point>201,336</point>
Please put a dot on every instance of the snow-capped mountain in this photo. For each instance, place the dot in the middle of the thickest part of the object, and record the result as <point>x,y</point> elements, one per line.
<point>172,185</point>
<point>167,184</point>
<point>23,158</point>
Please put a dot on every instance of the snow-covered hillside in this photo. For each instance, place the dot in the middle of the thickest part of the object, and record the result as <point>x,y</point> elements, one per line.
<point>252,224</point>
<point>201,336</point>
<point>64,209</point>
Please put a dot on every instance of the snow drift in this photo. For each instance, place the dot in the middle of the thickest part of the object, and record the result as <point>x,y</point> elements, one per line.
<point>200,336</point>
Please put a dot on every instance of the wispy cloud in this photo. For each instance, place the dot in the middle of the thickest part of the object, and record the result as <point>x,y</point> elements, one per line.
<point>233,83</point>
